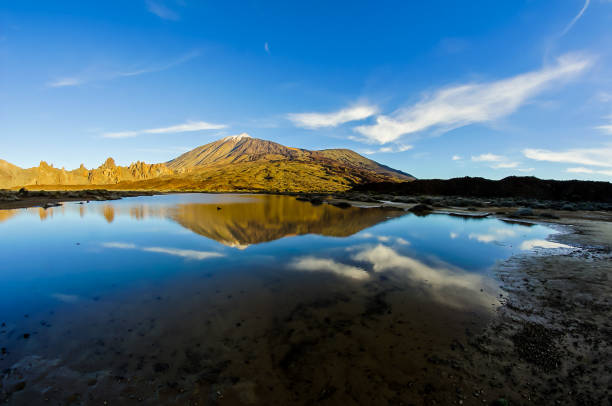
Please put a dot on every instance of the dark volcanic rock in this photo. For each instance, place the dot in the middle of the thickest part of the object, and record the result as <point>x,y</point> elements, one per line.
<point>420,208</point>
<point>510,187</point>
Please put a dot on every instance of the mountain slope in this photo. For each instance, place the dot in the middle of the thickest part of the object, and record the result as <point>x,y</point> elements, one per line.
<point>236,163</point>
<point>243,148</point>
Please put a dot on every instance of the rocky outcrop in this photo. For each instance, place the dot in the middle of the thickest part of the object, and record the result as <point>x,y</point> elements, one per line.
<point>106,174</point>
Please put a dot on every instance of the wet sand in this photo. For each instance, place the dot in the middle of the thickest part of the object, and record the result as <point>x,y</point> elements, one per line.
<point>545,339</point>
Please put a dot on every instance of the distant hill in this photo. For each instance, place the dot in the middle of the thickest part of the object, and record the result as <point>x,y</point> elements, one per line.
<point>235,163</point>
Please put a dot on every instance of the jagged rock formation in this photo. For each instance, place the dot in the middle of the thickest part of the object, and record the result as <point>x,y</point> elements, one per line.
<point>235,163</point>
<point>106,174</point>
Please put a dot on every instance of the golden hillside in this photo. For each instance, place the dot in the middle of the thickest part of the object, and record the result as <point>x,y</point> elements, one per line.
<point>236,163</point>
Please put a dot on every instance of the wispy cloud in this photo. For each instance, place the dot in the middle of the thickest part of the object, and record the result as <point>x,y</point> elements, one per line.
<point>606,128</point>
<point>457,158</point>
<point>99,76</point>
<point>63,82</point>
<point>160,10</point>
<point>589,171</point>
<point>267,47</point>
<point>576,18</point>
<point>179,128</point>
<point>388,149</point>
<point>318,120</point>
<point>461,105</point>
<point>583,156</point>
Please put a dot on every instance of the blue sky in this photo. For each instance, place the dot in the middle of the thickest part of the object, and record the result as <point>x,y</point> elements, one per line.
<point>437,89</point>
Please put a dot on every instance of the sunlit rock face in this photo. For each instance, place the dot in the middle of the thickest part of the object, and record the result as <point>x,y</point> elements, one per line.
<point>106,174</point>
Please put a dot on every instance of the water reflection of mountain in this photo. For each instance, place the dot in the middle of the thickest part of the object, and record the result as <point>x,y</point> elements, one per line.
<point>268,218</point>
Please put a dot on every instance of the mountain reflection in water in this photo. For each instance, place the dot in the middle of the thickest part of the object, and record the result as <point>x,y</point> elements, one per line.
<point>269,218</point>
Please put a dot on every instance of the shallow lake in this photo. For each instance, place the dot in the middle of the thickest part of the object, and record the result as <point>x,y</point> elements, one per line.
<point>241,298</point>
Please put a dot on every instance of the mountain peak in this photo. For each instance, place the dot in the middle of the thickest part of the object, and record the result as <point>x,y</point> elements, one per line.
<point>236,137</point>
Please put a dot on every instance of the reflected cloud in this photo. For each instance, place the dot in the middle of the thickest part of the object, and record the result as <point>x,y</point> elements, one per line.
<point>486,238</point>
<point>453,235</point>
<point>494,234</point>
<point>401,241</point>
<point>532,244</point>
<point>120,245</point>
<point>188,254</point>
<point>452,287</point>
<point>314,264</point>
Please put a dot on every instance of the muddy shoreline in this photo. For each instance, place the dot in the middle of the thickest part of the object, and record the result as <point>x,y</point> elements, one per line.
<point>24,198</point>
<point>550,342</point>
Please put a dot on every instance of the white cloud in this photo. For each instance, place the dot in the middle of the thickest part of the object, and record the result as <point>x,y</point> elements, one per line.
<point>581,156</point>
<point>161,11</point>
<point>497,161</point>
<point>314,264</point>
<point>318,120</point>
<point>488,158</point>
<point>461,105</point>
<point>505,165</point>
<point>589,171</point>
<point>457,158</point>
<point>389,149</point>
<point>64,82</point>
<point>526,169</point>
<point>576,18</point>
<point>180,128</point>
<point>267,47</point>
<point>453,235</point>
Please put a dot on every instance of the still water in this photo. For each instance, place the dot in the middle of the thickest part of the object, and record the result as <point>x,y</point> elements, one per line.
<point>239,299</point>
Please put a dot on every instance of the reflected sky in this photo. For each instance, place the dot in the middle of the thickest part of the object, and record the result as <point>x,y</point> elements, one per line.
<point>82,250</point>
<point>160,278</point>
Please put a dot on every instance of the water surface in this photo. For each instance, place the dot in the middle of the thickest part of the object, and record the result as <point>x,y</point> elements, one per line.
<point>243,299</point>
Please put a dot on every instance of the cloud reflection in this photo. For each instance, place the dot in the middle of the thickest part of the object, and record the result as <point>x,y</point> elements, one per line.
<point>531,244</point>
<point>188,254</point>
<point>452,287</point>
<point>328,265</point>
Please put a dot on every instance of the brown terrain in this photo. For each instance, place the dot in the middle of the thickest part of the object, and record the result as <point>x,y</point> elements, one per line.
<point>235,163</point>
